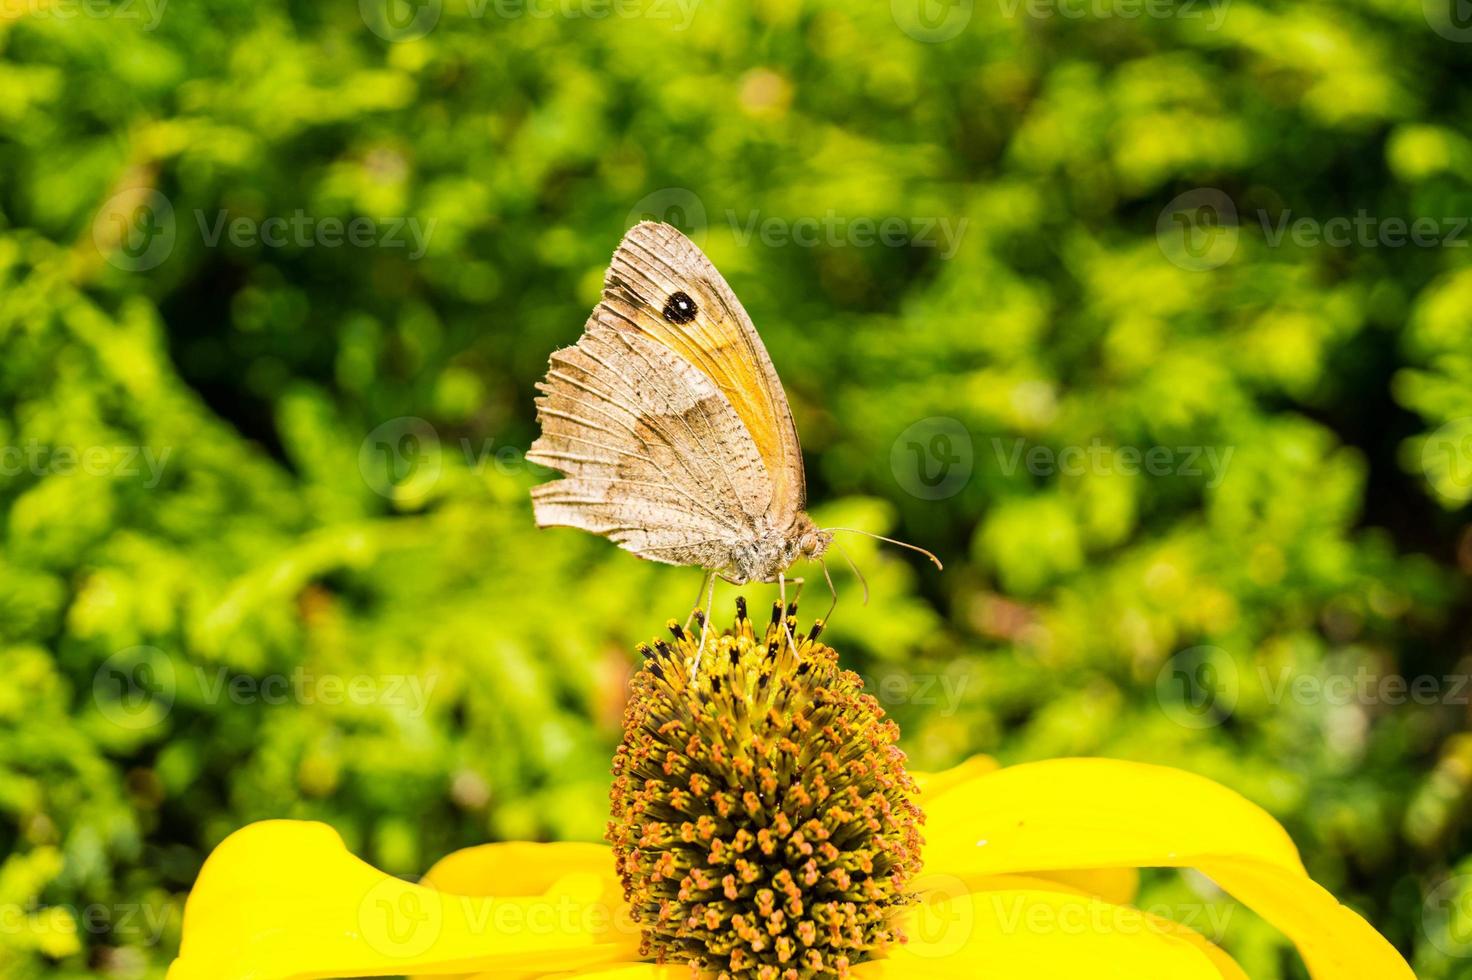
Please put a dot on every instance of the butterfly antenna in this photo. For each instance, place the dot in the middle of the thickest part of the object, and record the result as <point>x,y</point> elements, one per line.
<point>855,566</point>
<point>880,537</point>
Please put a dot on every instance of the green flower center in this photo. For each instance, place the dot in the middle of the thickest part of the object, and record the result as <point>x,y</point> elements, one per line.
<point>763,822</point>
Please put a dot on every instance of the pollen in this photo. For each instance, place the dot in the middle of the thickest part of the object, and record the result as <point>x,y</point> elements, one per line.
<point>763,823</point>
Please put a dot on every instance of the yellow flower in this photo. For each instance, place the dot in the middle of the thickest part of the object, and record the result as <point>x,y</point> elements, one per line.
<point>764,826</point>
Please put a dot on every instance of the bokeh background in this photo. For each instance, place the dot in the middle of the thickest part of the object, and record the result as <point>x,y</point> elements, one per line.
<point>267,546</point>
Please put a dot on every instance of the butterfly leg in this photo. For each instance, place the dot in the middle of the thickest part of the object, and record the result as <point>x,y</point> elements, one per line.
<point>782,598</point>
<point>710,590</point>
<point>829,614</point>
<point>704,587</point>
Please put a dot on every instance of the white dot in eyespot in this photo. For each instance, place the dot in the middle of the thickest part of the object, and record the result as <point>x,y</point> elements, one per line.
<point>680,308</point>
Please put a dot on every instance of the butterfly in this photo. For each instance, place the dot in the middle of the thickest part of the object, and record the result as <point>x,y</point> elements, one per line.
<point>670,427</point>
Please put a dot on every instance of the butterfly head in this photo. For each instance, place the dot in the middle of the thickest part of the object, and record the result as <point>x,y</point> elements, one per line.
<point>810,541</point>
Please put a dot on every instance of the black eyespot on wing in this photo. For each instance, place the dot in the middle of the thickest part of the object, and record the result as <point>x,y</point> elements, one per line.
<point>680,308</point>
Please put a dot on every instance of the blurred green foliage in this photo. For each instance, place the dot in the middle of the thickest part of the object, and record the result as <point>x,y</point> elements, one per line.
<point>305,463</point>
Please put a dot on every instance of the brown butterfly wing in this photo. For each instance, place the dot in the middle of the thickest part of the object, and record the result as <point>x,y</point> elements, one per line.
<point>654,263</point>
<point>654,455</point>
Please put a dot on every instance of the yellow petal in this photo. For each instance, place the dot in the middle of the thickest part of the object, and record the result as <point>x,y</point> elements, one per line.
<point>933,784</point>
<point>1036,934</point>
<point>1092,813</point>
<point>636,971</point>
<point>284,900</point>
<point>1224,963</point>
<point>1117,885</point>
<point>516,868</point>
<point>520,869</point>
